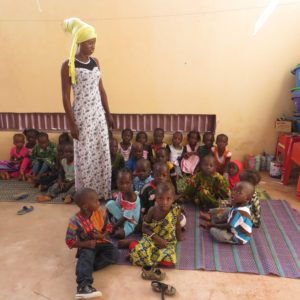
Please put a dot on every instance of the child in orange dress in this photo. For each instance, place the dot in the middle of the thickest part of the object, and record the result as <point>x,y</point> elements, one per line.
<point>221,153</point>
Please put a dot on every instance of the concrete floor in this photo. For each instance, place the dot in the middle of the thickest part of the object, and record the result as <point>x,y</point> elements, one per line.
<point>36,264</point>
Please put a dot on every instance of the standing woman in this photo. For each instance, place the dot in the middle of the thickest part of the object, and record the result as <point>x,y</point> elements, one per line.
<point>89,116</point>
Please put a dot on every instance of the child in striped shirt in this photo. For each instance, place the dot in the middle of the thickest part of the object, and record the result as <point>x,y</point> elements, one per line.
<point>85,232</point>
<point>238,228</point>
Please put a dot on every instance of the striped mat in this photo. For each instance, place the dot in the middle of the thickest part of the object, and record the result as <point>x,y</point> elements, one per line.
<point>274,247</point>
<point>10,188</point>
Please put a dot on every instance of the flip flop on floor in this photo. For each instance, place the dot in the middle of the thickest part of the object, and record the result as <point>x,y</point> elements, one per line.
<point>20,196</point>
<point>25,210</point>
<point>160,287</point>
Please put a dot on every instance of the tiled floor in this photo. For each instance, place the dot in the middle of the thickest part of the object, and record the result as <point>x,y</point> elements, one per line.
<point>36,264</point>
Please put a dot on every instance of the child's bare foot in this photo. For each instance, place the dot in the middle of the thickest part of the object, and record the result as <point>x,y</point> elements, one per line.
<point>6,176</point>
<point>43,198</point>
<point>68,199</point>
<point>124,244</point>
<point>30,179</point>
<point>204,215</point>
<point>22,177</point>
<point>205,224</point>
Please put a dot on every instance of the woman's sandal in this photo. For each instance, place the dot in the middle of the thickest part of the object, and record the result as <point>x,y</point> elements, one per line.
<point>153,274</point>
<point>164,289</point>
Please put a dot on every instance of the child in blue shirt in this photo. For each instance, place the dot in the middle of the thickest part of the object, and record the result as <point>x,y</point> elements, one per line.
<point>238,228</point>
<point>142,174</point>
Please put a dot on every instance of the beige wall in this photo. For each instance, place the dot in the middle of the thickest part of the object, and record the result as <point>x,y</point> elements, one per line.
<point>160,56</point>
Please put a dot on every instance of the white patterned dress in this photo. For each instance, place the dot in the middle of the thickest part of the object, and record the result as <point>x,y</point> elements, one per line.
<point>91,152</point>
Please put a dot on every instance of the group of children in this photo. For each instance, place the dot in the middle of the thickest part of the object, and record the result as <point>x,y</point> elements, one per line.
<point>147,200</point>
<point>50,167</point>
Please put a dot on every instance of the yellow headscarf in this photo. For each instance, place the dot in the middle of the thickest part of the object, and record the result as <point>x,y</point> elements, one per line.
<point>81,32</point>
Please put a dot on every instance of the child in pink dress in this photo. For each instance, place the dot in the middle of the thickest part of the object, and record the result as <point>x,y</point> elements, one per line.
<point>125,145</point>
<point>190,156</point>
<point>19,163</point>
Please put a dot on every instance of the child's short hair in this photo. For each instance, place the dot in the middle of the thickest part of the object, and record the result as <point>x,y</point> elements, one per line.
<point>194,132</point>
<point>19,135</point>
<point>43,134</point>
<point>206,134</point>
<point>159,165</point>
<point>178,133</point>
<point>221,136</point>
<point>158,129</point>
<point>127,130</point>
<point>251,176</point>
<point>30,130</point>
<point>79,196</point>
<point>144,162</point>
<point>165,187</point>
<point>246,185</point>
<point>125,171</point>
<point>208,156</point>
<point>138,135</point>
<point>65,138</point>
<point>165,151</point>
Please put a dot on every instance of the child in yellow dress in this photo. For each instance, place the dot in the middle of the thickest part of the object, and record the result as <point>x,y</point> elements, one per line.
<point>161,231</point>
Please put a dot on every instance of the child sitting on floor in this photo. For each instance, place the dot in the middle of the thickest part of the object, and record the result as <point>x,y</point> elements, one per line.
<point>221,153</point>
<point>18,165</point>
<point>117,162</point>
<point>161,231</point>
<point>142,174</point>
<point>207,187</point>
<point>31,137</point>
<point>135,155</point>
<point>65,138</point>
<point>43,157</point>
<point>162,155</point>
<point>125,144</point>
<point>238,228</point>
<point>208,141</point>
<point>66,178</point>
<point>158,137</point>
<point>175,150</point>
<point>124,212</point>
<point>254,178</point>
<point>142,138</point>
<point>235,168</point>
<point>161,174</point>
<point>85,232</point>
<point>190,157</point>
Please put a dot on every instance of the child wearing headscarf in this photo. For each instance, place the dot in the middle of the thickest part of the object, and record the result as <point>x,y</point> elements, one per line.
<point>235,168</point>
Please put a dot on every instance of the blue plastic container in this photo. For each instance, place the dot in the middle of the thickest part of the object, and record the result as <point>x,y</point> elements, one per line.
<point>296,99</point>
<point>296,72</point>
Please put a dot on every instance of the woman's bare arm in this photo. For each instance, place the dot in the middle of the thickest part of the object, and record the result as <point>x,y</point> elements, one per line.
<point>66,91</point>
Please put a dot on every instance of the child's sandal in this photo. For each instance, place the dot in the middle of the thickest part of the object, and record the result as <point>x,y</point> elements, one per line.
<point>162,287</point>
<point>152,273</point>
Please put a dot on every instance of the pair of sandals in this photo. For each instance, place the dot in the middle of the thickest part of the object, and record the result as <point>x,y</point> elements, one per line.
<point>156,275</point>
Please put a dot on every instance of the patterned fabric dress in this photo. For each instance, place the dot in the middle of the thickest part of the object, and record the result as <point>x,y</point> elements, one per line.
<point>146,253</point>
<point>91,152</point>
